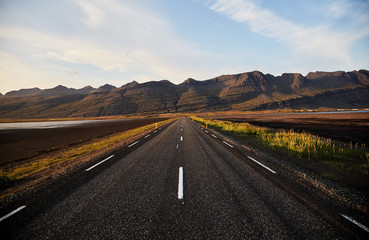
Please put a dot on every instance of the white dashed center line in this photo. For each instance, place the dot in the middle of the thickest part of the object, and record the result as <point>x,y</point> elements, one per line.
<point>180,183</point>
<point>97,164</point>
<point>356,223</point>
<point>133,144</point>
<point>213,136</point>
<point>227,144</point>
<point>147,135</point>
<point>181,138</point>
<point>262,165</point>
<point>12,213</point>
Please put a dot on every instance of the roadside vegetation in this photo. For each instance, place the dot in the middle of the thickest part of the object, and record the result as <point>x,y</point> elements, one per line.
<point>69,156</point>
<point>305,146</point>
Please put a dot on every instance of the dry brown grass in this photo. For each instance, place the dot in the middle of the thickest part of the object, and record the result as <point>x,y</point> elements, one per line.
<point>35,171</point>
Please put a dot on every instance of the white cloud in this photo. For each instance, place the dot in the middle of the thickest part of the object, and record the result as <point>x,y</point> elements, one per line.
<point>124,37</point>
<point>338,8</point>
<point>95,16</point>
<point>67,49</point>
<point>319,41</point>
<point>16,73</point>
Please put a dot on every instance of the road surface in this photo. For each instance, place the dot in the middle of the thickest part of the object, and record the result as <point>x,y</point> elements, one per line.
<point>178,182</point>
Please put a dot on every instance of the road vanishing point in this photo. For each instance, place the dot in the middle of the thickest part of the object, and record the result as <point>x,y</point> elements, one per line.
<point>181,181</point>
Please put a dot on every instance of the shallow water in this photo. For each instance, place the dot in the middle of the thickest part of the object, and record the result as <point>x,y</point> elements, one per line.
<point>48,124</point>
<point>358,111</point>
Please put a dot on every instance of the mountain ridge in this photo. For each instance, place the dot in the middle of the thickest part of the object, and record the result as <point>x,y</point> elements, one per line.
<point>244,91</point>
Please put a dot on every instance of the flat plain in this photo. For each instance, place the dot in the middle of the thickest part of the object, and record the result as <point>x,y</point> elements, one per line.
<point>347,127</point>
<point>21,144</point>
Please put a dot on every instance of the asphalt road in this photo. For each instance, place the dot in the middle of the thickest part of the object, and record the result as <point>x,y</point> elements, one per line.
<point>180,182</point>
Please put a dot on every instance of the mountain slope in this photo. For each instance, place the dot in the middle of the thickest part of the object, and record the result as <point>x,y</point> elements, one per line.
<point>245,91</point>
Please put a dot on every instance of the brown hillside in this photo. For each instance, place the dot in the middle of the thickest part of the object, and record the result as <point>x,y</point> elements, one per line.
<point>245,91</point>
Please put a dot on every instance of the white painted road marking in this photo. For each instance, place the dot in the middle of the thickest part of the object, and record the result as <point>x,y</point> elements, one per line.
<point>213,136</point>
<point>177,146</point>
<point>206,131</point>
<point>262,165</point>
<point>147,135</point>
<point>180,183</point>
<point>154,131</point>
<point>228,144</point>
<point>133,144</point>
<point>181,138</point>
<point>356,223</point>
<point>12,213</point>
<point>97,164</point>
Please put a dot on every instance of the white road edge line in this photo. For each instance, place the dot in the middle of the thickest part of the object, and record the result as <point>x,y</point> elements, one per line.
<point>356,223</point>
<point>228,144</point>
<point>213,136</point>
<point>97,164</point>
<point>267,168</point>
<point>133,144</point>
<point>180,183</point>
<point>147,135</point>
<point>12,213</point>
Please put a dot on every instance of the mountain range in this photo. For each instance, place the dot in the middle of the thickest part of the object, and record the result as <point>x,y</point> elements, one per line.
<point>245,91</point>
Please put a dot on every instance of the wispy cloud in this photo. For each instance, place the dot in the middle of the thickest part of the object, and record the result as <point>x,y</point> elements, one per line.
<point>319,41</point>
<point>70,50</point>
<point>113,36</point>
<point>94,15</point>
<point>14,72</point>
<point>338,8</point>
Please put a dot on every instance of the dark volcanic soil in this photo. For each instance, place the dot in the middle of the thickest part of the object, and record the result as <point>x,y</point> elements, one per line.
<point>346,127</point>
<point>22,144</point>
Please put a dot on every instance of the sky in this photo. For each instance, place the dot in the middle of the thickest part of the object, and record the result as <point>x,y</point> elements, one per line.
<point>77,43</point>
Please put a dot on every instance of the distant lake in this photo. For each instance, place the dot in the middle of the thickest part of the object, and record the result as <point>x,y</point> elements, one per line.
<point>358,111</point>
<point>49,124</point>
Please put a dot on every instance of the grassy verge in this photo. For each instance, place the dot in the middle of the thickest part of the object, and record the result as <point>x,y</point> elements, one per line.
<point>304,146</point>
<point>38,167</point>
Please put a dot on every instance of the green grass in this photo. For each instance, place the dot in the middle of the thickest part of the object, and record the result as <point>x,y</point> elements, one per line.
<point>301,145</point>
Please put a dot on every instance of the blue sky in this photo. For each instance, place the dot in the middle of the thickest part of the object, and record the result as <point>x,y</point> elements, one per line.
<point>92,42</point>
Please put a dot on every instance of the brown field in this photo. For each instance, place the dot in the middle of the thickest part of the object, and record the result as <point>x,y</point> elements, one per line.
<point>22,144</point>
<point>345,127</point>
